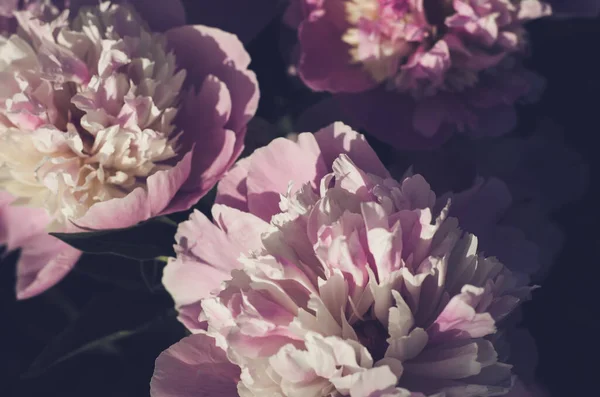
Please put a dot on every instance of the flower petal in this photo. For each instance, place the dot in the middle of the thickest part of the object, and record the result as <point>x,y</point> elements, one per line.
<point>194,367</point>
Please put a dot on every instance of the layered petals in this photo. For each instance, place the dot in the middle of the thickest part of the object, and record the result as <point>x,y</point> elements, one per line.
<point>194,367</point>
<point>113,113</point>
<point>428,68</point>
<point>356,285</point>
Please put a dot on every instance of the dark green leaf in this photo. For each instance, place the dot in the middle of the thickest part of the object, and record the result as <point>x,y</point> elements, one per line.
<point>108,319</point>
<point>144,241</point>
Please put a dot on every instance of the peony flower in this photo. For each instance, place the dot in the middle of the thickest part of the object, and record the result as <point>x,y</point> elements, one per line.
<point>105,123</point>
<point>325,276</point>
<point>429,68</point>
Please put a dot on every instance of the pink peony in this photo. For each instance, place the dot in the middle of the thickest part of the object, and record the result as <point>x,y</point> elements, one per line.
<point>105,123</point>
<point>428,68</point>
<point>325,276</point>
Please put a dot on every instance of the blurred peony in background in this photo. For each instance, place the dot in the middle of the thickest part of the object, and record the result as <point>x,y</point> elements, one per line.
<point>530,191</point>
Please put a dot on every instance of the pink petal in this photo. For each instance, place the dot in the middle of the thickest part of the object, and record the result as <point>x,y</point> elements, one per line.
<point>188,281</point>
<point>204,51</point>
<point>215,148</point>
<point>339,138</point>
<point>117,213</point>
<point>205,258</point>
<point>164,185</point>
<point>19,224</point>
<point>139,205</point>
<point>189,316</point>
<point>232,190</point>
<point>44,261</point>
<point>325,64</point>
<point>7,7</point>
<point>242,228</point>
<point>460,320</point>
<point>271,170</point>
<point>374,382</point>
<point>194,367</point>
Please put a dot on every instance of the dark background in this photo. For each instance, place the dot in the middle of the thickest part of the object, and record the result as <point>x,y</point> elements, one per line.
<point>120,302</point>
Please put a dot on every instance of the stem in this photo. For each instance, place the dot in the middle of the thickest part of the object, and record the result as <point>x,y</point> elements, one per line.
<point>61,300</point>
<point>166,220</point>
<point>106,343</point>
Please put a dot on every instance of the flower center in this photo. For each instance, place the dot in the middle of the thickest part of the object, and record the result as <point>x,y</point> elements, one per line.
<point>373,335</point>
<point>383,33</point>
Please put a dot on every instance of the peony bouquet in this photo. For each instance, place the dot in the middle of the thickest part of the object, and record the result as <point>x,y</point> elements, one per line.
<point>378,222</point>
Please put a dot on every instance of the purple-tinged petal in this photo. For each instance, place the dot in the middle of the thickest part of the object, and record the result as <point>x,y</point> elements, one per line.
<point>339,138</point>
<point>140,204</point>
<point>232,190</point>
<point>199,256</point>
<point>19,224</point>
<point>242,228</point>
<point>214,146</point>
<point>271,170</point>
<point>194,367</point>
<point>325,62</point>
<point>204,51</point>
<point>43,262</point>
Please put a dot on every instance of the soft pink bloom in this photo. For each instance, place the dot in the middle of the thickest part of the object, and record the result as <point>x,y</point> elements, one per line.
<point>412,72</point>
<point>323,275</point>
<point>105,123</point>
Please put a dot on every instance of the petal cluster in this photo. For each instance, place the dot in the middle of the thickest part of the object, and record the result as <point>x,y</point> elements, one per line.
<point>104,124</point>
<point>357,285</point>
<point>88,110</point>
<point>448,63</point>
